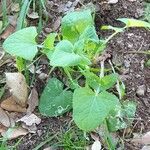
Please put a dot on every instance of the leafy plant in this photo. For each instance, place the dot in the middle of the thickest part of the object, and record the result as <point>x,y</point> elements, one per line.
<point>92,102</point>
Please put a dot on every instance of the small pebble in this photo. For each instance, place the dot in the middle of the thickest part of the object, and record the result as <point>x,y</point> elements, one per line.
<point>43,76</point>
<point>141,90</point>
<point>48,30</point>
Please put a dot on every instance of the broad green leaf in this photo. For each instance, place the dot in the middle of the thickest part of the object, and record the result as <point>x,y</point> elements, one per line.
<point>129,108</point>
<point>134,23</point>
<point>122,116</point>
<point>22,43</point>
<point>74,23</point>
<point>108,81</point>
<point>91,109</point>
<point>79,46</point>
<point>54,100</point>
<point>89,34</point>
<point>64,55</point>
<point>49,45</point>
<point>105,83</point>
<point>92,80</point>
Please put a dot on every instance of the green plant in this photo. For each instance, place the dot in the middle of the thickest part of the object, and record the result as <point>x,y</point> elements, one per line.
<point>147,12</point>
<point>93,104</point>
<point>4,21</point>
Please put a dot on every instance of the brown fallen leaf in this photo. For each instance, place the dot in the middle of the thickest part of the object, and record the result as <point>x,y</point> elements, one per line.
<point>2,128</point>
<point>8,31</point>
<point>145,139</point>
<point>4,118</point>
<point>13,133</point>
<point>31,129</point>
<point>29,120</point>
<point>33,101</point>
<point>18,87</point>
<point>10,104</point>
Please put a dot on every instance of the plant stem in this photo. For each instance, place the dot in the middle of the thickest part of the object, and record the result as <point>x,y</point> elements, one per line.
<point>102,70</point>
<point>70,77</point>
<point>118,84</point>
<point>27,76</point>
<point>108,138</point>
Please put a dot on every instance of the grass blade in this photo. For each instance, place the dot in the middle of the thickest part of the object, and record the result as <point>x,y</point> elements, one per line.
<point>23,13</point>
<point>4,9</point>
<point>43,4</point>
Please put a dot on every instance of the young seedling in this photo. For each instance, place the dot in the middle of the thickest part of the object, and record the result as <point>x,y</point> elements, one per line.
<point>92,102</point>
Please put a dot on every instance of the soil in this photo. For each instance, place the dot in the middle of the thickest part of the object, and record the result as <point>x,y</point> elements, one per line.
<point>125,50</point>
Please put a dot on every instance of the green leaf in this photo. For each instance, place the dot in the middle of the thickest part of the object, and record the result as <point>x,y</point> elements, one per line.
<point>108,81</point>
<point>22,43</point>
<point>89,34</point>
<point>122,116</point>
<point>54,100</point>
<point>64,55</point>
<point>105,83</point>
<point>49,45</point>
<point>134,23</point>
<point>49,41</point>
<point>74,23</point>
<point>92,80</point>
<point>91,109</point>
<point>79,46</point>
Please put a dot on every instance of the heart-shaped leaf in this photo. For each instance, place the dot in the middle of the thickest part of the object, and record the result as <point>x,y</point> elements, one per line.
<point>108,81</point>
<point>89,34</point>
<point>64,55</point>
<point>54,100</point>
<point>22,43</point>
<point>91,109</point>
<point>74,23</point>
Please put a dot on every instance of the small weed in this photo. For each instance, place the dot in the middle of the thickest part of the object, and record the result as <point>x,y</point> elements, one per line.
<point>73,139</point>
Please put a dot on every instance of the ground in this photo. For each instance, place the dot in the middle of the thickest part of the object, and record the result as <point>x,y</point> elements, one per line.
<point>126,50</point>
